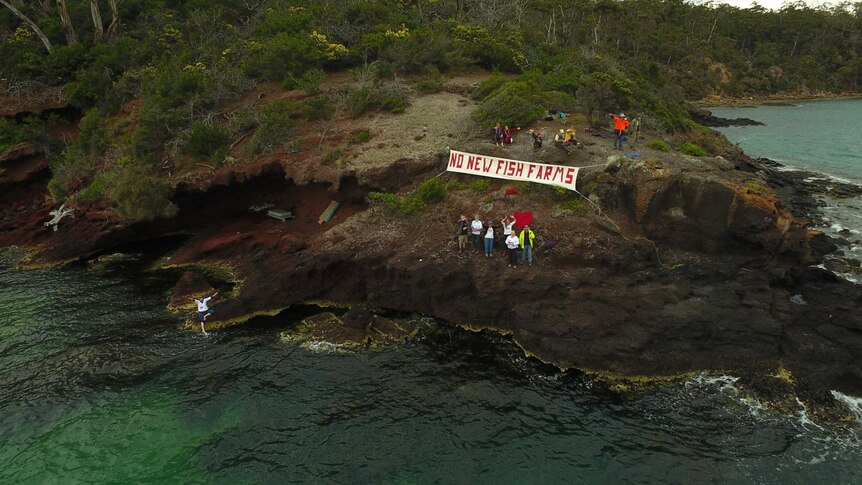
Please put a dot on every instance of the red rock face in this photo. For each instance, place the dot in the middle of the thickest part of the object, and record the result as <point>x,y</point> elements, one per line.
<point>701,276</point>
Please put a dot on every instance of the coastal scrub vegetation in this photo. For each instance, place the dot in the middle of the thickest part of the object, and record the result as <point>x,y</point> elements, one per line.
<point>429,192</point>
<point>173,69</point>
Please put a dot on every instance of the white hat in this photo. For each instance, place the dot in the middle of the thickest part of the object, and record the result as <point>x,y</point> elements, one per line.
<point>622,115</point>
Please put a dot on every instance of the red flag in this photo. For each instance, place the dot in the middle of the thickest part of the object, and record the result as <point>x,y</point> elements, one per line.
<point>523,218</point>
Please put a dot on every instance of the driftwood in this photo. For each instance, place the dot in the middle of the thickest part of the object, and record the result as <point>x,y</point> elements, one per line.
<point>59,214</point>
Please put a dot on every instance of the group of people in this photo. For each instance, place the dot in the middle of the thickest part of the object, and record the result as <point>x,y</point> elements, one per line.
<point>502,135</point>
<point>483,235</point>
<point>566,137</point>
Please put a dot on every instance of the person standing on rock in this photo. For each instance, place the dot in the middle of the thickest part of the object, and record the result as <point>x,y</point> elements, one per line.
<point>512,244</point>
<point>498,135</point>
<point>508,230</point>
<point>525,240</point>
<point>463,230</point>
<point>476,233</point>
<point>204,310</point>
<point>489,238</point>
<point>620,125</point>
<point>507,137</point>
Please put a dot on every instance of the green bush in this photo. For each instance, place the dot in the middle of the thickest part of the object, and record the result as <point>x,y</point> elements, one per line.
<point>282,55</point>
<point>393,104</point>
<point>692,149</point>
<point>361,137</point>
<point>89,89</point>
<point>432,83</point>
<point>94,191</point>
<point>311,80</point>
<point>277,125</point>
<point>432,191</point>
<point>390,96</point>
<point>428,192</point>
<point>331,156</point>
<point>140,196</point>
<point>659,145</point>
<point>488,86</point>
<point>360,101</point>
<point>408,204</point>
<point>516,103</point>
<point>206,139</point>
<point>480,185</point>
<point>754,186</point>
<point>574,205</point>
<point>318,108</point>
<point>31,130</point>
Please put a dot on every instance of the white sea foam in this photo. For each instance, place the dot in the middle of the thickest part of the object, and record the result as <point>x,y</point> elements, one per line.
<point>323,347</point>
<point>804,418</point>
<point>854,404</point>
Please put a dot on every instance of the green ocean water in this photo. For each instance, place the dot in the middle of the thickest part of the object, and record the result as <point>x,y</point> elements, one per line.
<point>820,136</point>
<point>99,385</point>
<point>823,136</point>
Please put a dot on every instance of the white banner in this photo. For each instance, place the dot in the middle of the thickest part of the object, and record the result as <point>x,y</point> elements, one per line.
<point>503,168</point>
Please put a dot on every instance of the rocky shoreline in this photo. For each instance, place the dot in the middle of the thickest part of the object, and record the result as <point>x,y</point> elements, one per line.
<point>697,264</point>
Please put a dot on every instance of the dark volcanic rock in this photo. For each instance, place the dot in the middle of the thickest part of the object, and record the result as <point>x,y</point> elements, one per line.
<point>706,118</point>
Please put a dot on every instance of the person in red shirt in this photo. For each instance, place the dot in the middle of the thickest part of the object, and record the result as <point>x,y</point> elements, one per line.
<point>620,125</point>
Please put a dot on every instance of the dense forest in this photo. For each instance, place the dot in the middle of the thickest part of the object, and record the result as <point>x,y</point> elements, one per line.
<point>185,61</point>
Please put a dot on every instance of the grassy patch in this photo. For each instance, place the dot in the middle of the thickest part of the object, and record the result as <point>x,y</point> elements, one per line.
<point>361,137</point>
<point>692,149</point>
<point>331,156</point>
<point>658,145</point>
<point>480,185</point>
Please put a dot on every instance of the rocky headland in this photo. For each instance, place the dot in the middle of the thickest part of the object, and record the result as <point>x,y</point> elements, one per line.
<point>692,264</point>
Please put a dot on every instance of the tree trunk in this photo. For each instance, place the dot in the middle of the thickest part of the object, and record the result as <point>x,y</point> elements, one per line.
<point>66,22</point>
<point>114,26</point>
<point>98,27</point>
<point>32,25</point>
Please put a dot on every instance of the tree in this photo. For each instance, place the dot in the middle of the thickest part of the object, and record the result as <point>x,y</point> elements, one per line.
<point>32,25</point>
<point>66,22</point>
<point>98,28</point>
<point>114,26</point>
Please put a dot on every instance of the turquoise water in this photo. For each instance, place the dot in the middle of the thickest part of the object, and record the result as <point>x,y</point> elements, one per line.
<point>98,384</point>
<point>819,136</point>
<point>824,136</point>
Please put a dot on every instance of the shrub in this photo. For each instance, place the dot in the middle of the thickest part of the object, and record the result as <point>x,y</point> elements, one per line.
<point>140,195</point>
<point>361,137</point>
<point>659,145</point>
<point>276,126</point>
<point>89,89</point>
<point>205,139</point>
<point>318,108</point>
<point>480,185</point>
<point>756,187</point>
<point>393,104</point>
<point>432,191</point>
<point>574,205</point>
<point>488,86</point>
<point>311,80</point>
<point>431,83</point>
<point>516,103</point>
<point>428,192</point>
<point>692,149</point>
<point>409,204</point>
<point>94,191</point>
<point>331,156</point>
<point>361,101</point>
<point>390,96</point>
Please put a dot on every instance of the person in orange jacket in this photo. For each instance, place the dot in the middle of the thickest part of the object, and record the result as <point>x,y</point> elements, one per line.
<point>620,125</point>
